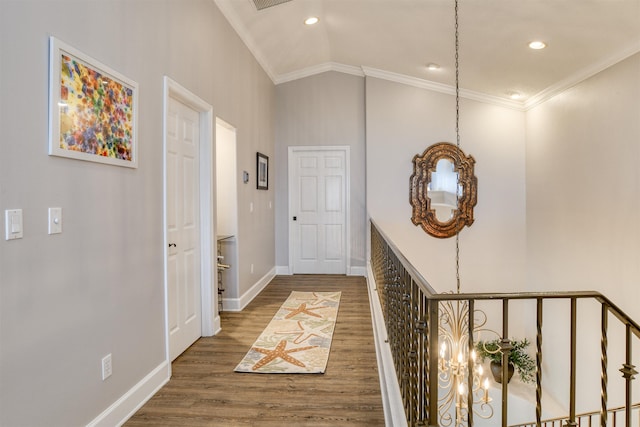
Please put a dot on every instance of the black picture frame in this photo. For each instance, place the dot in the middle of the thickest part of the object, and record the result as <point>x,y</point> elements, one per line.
<point>262,171</point>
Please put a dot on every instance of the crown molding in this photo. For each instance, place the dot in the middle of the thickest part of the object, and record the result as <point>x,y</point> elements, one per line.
<point>442,88</point>
<point>581,76</point>
<point>236,23</point>
<point>318,69</point>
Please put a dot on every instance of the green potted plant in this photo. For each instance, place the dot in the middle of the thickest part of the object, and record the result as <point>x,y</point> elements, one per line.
<point>519,359</point>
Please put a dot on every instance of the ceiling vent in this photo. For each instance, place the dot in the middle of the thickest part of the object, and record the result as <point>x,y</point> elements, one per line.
<point>263,4</point>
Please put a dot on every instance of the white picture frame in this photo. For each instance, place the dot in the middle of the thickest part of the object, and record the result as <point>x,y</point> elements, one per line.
<point>92,109</point>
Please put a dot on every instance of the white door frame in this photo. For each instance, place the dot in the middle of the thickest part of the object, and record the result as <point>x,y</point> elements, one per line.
<point>347,152</point>
<point>210,318</point>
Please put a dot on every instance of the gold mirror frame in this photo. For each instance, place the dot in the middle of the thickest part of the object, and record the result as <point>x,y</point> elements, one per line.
<point>423,166</point>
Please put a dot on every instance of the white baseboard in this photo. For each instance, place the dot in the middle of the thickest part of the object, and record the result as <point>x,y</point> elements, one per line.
<point>357,271</point>
<point>283,270</point>
<point>127,405</point>
<point>216,324</point>
<point>391,397</point>
<point>238,304</point>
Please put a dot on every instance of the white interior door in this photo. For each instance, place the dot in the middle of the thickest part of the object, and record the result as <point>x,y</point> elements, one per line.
<point>318,210</point>
<point>183,227</point>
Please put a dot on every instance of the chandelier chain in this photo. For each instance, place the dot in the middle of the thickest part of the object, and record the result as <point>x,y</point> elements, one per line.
<point>464,388</point>
<point>457,68</point>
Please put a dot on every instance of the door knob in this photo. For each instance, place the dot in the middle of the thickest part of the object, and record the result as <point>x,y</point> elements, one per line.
<point>173,244</point>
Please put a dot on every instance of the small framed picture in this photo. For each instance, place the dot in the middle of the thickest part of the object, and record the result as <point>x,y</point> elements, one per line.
<point>92,109</point>
<point>262,171</point>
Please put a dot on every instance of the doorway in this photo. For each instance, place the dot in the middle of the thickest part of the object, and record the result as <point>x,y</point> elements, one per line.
<point>319,197</point>
<point>188,223</point>
<point>227,210</point>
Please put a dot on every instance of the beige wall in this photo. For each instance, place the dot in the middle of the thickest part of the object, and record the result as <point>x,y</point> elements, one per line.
<point>583,199</point>
<point>67,300</point>
<point>403,121</point>
<point>583,187</point>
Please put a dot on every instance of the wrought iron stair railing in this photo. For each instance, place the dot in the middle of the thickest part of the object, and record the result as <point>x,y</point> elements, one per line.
<point>615,417</point>
<point>411,311</point>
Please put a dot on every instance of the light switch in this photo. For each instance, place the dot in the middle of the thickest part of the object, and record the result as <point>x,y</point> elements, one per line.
<point>13,224</point>
<point>55,220</point>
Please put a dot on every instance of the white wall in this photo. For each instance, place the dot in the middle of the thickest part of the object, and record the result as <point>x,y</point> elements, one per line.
<point>226,180</point>
<point>67,300</point>
<point>325,109</point>
<point>583,188</point>
<point>583,200</point>
<point>403,121</point>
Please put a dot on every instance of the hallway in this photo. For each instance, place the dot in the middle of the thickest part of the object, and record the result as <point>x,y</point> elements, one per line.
<point>204,390</point>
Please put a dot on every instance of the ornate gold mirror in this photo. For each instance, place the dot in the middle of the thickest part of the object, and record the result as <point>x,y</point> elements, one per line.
<point>444,190</point>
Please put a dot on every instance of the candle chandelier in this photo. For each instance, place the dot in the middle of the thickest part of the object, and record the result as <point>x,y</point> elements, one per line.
<point>464,387</point>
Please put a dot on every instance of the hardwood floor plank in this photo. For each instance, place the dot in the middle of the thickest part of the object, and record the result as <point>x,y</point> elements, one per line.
<point>204,390</point>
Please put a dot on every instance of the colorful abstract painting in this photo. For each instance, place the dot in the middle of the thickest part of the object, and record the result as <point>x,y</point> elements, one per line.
<point>94,117</point>
<point>298,338</point>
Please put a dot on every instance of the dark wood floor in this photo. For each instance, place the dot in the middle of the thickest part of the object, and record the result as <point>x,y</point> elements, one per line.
<point>204,390</point>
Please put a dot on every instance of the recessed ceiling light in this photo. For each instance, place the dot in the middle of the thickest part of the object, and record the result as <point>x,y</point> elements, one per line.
<point>537,45</point>
<point>515,95</point>
<point>432,67</point>
<point>311,20</point>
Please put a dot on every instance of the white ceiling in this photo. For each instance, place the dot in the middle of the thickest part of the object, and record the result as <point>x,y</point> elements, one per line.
<point>396,39</point>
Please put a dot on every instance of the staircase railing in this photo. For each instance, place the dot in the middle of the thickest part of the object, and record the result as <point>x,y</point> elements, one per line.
<point>411,310</point>
<point>615,416</point>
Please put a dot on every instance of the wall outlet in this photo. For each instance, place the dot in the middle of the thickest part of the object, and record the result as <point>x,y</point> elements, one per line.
<point>107,368</point>
<point>251,268</point>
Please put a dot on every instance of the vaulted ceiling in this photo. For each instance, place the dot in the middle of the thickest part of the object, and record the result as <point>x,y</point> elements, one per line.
<point>396,39</point>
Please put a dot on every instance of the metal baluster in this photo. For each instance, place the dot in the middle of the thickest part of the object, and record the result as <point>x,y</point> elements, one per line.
<point>572,376</point>
<point>421,329</point>
<point>604,379</point>
<point>433,363</point>
<point>628,373</point>
<point>405,335</point>
<point>470,366</point>
<point>505,347</point>
<point>538,361</point>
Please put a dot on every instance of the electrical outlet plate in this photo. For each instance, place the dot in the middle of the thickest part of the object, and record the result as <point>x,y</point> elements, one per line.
<point>107,368</point>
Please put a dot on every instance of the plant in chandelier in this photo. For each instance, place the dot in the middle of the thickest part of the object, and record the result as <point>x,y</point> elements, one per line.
<point>466,197</point>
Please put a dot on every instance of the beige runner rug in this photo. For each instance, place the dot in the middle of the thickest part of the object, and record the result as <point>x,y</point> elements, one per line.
<point>298,338</point>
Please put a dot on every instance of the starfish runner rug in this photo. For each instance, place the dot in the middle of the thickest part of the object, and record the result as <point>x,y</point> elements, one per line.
<point>298,338</point>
